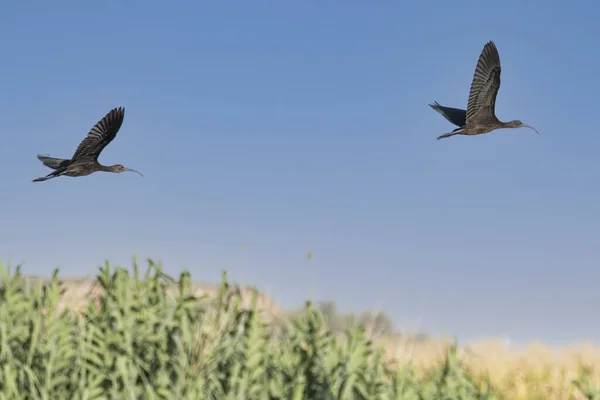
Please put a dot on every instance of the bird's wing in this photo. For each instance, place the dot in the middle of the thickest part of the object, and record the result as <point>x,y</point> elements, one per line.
<point>100,136</point>
<point>455,115</point>
<point>51,162</point>
<point>485,85</point>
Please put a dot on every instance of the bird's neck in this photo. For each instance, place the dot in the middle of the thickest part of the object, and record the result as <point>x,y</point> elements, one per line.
<point>106,168</point>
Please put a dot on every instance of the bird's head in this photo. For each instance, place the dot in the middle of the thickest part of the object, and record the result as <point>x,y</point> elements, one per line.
<point>118,168</point>
<point>518,124</point>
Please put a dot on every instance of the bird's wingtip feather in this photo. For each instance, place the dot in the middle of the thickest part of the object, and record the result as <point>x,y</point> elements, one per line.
<point>118,110</point>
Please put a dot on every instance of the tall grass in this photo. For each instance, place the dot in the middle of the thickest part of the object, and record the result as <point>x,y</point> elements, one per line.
<point>137,341</point>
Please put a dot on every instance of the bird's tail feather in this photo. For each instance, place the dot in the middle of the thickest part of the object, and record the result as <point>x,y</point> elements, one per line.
<point>51,162</point>
<point>455,116</point>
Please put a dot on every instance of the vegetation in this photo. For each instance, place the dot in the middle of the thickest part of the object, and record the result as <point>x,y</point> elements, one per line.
<point>137,340</point>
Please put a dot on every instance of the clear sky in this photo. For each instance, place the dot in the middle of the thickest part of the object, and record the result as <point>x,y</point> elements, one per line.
<point>304,126</point>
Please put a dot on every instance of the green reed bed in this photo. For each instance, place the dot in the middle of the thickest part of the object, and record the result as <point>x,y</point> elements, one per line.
<point>139,341</point>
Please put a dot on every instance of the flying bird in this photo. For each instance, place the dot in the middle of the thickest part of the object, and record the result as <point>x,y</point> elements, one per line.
<point>85,160</point>
<point>479,117</point>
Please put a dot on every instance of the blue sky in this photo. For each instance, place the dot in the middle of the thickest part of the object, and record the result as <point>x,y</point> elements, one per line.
<point>304,126</point>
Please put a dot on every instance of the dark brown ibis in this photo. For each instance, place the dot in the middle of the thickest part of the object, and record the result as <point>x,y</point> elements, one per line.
<point>480,117</point>
<point>85,160</point>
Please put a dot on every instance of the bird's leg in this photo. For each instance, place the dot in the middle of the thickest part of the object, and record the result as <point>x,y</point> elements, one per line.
<point>51,175</point>
<point>446,135</point>
<point>457,131</point>
<point>43,178</point>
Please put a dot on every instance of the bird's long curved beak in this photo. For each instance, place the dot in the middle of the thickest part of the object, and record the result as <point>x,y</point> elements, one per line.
<point>530,127</point>
<point>133,170</point>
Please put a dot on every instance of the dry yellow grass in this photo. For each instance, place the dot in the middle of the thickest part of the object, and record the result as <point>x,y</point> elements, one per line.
<point>536,371</point>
